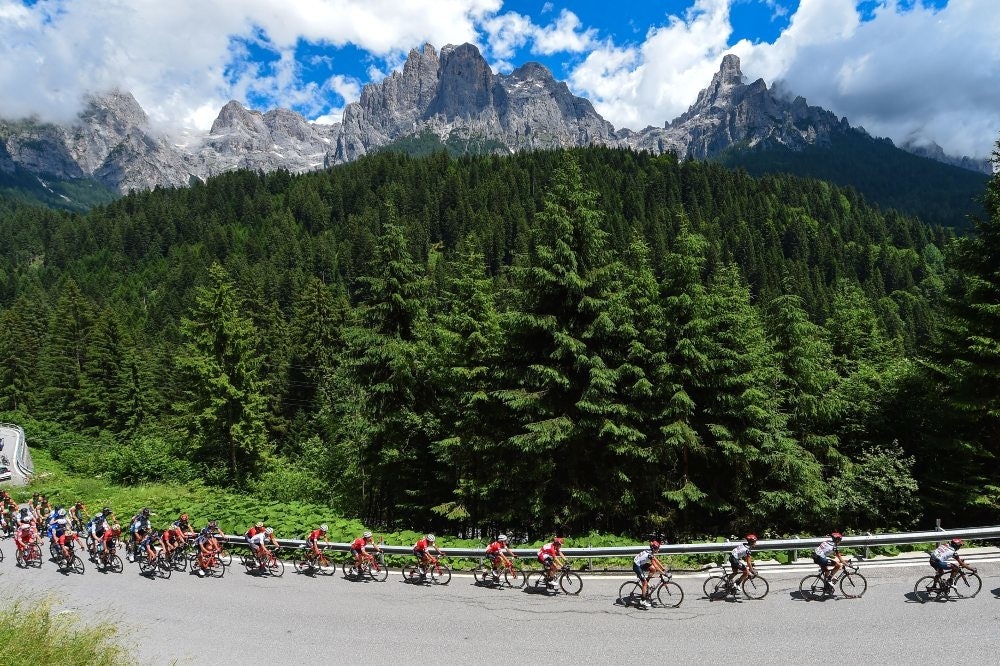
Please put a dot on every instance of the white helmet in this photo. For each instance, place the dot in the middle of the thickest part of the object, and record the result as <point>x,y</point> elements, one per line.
<point>502,537</point>
<point>366,535</point>
<point>430,538</point>
<point>323,528</point>
<point>269,531</point>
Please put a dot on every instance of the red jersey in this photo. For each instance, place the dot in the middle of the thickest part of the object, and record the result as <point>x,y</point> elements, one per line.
<point>548,549</point>
<point>495,547</point>
<point>253,531</point>
<point>314,535</point>
<point>359,544</point>
<point>423,544</point>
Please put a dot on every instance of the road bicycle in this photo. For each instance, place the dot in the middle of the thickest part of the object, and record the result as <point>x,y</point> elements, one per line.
<point>938,588</point>
<point>71,563</point>
<point>106,558</point>
<point>157,567</point>
<point>816,587</point>
<point>720,586</point>
<point>372,566</point>
<point>31,556</point>
<point>310,563</point>
<point>667,593</point>
<point>435,570</point>
<point>505,574</point>
<point>568,581</point>
<point>212,566</point>
<point>264,560</point>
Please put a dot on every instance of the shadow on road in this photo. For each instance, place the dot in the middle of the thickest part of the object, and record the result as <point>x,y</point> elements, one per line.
<point>996,593</point>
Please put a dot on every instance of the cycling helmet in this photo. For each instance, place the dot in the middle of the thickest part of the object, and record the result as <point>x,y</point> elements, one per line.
<point>323,528</point>
<point>836,536</point>
<point>62,513</point>
<point>213,525</point>
<point>79,505</point>
<point>145,512</point>
<point>502,537</point>
<point>366,535</point>
<point>269,531</point>
<point>24,511</point>
<point>752,538</point>
<point>654,545</point>
<point>106,511</point>
<point>956,543</point>
<point>558,541</point>
<point>184,516</point>
<point>259,524</point>
<point>98,516</point>
<point>430,538</point>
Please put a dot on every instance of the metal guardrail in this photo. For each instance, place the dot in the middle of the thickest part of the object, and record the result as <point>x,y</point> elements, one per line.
<point>17,454</point>
<point>808,543</point>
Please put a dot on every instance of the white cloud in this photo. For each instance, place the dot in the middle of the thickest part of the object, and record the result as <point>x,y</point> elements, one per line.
<point>910,71</point>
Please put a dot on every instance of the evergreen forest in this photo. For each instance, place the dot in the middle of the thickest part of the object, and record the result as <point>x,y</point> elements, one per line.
<point>545,342</point>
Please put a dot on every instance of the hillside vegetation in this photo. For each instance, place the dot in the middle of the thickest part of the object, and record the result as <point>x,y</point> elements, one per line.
<point>593,340</point>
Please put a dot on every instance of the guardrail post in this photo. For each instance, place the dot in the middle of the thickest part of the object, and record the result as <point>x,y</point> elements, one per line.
<point>590,560</point>
<point>867,547</point>
<point>937,525</point>
<point>793,555</point>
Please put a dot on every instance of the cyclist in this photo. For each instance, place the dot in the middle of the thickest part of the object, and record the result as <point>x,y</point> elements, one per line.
<point>550,555</point>
<point>174,535</point>
<point>420,549</point>
<point>24,535</point>
<point>821,556</point>
<point>61,534</point>
<point>207,544</point>
<point>312,540</point>
<point>644,565</point>
<point>741,560</point>
<point>150,540</point>
<point>258,544</point>
<point>359,548</point>
<point>95,529</point>
<point>184,523</point>
<point>496,549</point>
<point>256,529</point>
<point>945,558</point>
<point>139,525</point>
<point>78,516</point>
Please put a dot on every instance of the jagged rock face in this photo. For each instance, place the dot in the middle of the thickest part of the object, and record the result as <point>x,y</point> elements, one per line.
<point>935,152</point>
<point>729,112</point>
<point>453,94</point>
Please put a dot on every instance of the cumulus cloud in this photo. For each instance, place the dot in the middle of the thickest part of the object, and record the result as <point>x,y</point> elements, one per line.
<point>909,72</point>
<point>903,69</point>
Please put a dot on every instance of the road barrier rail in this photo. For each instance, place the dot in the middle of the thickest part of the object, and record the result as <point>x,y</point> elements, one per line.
<point>796,544</point>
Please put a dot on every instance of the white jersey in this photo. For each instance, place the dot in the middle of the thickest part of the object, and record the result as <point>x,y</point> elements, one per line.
<point>258,539</point>
<point>944,553</point>
<point>825,548</point>
<point>644,558</point>
<point>741,551</point>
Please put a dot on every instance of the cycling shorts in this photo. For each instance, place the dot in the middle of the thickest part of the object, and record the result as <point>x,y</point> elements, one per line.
<point>420,553</point>
<point>357,552</point>
<point>939,565</point>
<point>736,564</point>
<point>545,559</point>
<point>642,573</point>
<point>822,561</point>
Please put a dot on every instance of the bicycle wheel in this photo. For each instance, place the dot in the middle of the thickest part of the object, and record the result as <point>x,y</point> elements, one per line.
<point>853,585</point>
<point>514,577</point>
<point>19,558</point>
<point>35,558</point>
<point>218,570</point>
<point>114,564</point>
<point>536,581</point>
<point>350,571</point>
<point>145,566</point>
<point>303,566</point>
<point>571,583</point>
<point>755,588</point>
<point>715,587</point>
<point>479,574</point>
<point>669,594</point>
<point>76,564</point>
<point>328,568</point>
<point>276,567</point>
<point>812,588</point>
<point>163,567</point>
<point>440,574</point>
<point>967,586</point>
<point>411,573</point>
<point>178,561</point>
<point>926,589</point>
<point>630,593</point>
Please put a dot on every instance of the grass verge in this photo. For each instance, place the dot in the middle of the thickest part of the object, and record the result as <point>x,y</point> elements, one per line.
<point>31,633</point>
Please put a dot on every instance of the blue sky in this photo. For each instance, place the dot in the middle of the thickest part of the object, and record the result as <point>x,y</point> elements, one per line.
<point>924,70</point>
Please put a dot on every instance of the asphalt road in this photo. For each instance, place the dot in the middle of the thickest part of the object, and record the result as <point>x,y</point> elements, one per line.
<point>188,620</point>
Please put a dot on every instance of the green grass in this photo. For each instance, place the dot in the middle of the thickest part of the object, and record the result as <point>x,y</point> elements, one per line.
<point>32,633</point>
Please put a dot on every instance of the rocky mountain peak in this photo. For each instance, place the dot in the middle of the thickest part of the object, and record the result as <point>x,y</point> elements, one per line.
<point>465,83</point>
<point>235,117</point>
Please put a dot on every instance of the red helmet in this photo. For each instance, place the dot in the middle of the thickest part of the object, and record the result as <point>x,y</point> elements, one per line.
<point>956,543</point>
<point>558,541</point>
<point>836,536</point>
<point>654,545</point>
<point>752,538</point>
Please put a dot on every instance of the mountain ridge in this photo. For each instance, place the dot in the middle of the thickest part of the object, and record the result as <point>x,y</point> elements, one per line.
<point>452,94</point>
